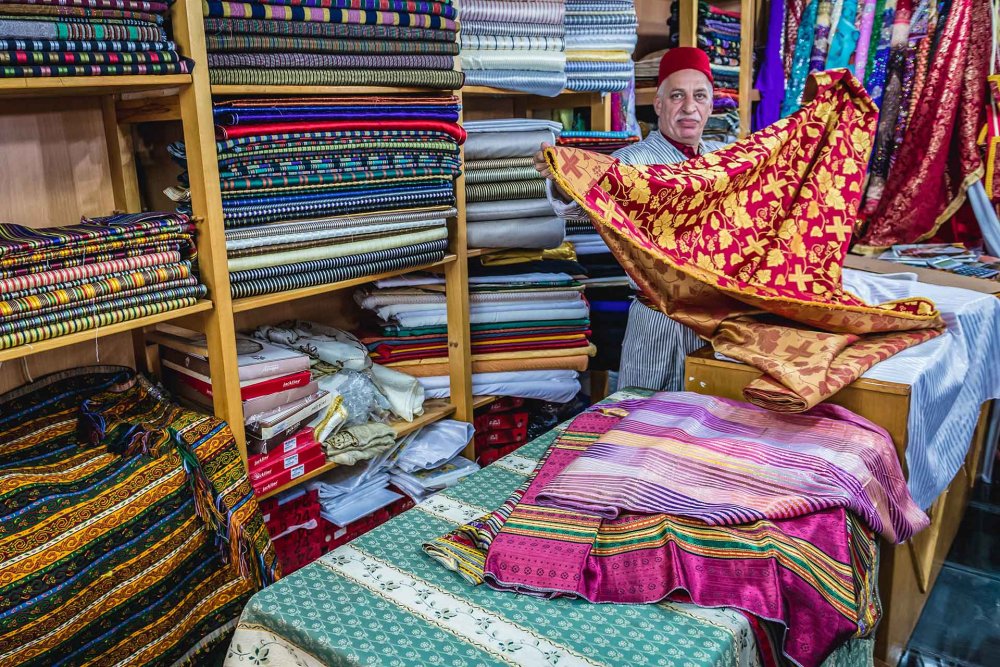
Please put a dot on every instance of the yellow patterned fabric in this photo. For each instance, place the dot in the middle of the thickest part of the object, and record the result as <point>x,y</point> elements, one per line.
<point>746,245</point>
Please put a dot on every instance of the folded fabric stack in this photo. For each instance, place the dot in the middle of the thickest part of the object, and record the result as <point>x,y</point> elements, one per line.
<point>86,38</point>
<point>599,142</point>
<point>364,394</point>
<point>608,292</point>
<point>719,37</point>
<point>505,198</point>
<point>318,190</point>
<point>351,492</point>
<point>131,535</point>
<point>514,45</point>
<point>60,280</point>
<point>600,39</point>
<point>333,43</point>
<point>430,460</point>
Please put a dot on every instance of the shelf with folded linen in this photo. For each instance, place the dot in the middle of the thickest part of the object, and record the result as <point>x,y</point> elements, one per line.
<point>312,398</point>
<point>321,191</point>
<point>529,329</point>
<point>62,285</point>
<point>384,45</point>
<point>599,45</point>
<point>514,46</point>
<point>505,201</point>
<point>719,35</point>
<point>341,504</point>
<point>87,40</point>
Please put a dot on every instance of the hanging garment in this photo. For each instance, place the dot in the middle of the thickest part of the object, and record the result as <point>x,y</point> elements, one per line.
<point>763,225</point>
<point>939,158</point>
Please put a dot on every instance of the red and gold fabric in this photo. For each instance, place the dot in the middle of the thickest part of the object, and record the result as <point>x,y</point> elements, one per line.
<point>746,245</point>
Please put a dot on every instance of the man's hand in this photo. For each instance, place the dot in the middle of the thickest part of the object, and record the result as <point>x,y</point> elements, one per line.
<point>541,164</point>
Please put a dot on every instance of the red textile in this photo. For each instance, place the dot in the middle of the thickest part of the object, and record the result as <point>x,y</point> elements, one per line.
<point>453,130</point>
<point>684,57</point>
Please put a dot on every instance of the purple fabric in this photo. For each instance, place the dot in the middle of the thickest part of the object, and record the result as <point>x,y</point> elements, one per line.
<point>771,78</point>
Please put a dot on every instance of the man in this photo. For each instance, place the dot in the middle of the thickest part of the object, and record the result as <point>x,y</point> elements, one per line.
<point>655,346</point>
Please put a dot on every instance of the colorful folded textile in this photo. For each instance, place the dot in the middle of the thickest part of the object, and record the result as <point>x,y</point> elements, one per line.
<point>808,584</point>
<point>131,533</point>
<point>54,38</point>
<point>742,273</point>
<point>330,60</point>
<point>600,39</point>
<point>437,79</point>
<point>352,31</point>
<point>274,12</point>
<point>256,286</point>
<point>291,44</point>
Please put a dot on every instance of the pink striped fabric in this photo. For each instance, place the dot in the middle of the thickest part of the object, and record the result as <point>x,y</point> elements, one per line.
<point>57,276</point>
<point>727,462</point>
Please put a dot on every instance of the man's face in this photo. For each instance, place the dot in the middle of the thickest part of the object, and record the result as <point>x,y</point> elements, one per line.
<point>683,104</point>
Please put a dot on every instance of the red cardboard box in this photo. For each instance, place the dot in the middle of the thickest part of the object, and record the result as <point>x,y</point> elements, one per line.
<point>277,462</point>
<point>283,477</point>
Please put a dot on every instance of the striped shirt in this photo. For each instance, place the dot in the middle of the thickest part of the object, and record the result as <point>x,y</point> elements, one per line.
<point>655,346</point>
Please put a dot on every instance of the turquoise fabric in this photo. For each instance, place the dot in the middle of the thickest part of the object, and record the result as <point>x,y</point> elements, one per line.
<point>845,40</point>
<point>800,63</point>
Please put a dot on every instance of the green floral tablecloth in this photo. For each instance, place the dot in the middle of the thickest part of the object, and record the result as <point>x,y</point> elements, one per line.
<point>380,601</point>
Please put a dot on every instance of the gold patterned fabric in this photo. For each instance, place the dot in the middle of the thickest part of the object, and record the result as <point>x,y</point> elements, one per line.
<point>746,245</point>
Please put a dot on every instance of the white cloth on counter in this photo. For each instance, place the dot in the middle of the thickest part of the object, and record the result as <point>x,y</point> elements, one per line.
<point>434,445</point>
<point>950,376</point>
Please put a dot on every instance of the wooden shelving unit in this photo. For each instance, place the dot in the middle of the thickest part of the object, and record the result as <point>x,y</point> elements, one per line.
<point>116,104</point>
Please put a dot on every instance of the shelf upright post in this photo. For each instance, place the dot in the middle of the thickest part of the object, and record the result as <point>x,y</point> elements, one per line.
<point>748,19</point>
<point>206,202</point>
<point>456,276</point>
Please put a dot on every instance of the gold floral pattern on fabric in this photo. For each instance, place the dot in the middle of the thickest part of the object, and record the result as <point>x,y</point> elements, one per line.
<point>746,245</point>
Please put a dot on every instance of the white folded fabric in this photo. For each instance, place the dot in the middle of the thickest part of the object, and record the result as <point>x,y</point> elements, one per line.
<point>539,61</point>
<point>406,396</point>
<point>505,125</point>
<point>434,445</point>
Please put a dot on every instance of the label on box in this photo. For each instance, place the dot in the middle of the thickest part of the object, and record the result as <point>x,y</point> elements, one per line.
<point>286,475</point>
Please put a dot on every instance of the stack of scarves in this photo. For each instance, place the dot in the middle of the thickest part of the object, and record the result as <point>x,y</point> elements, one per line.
<point>529,322</point>
<point>405,43</point>
<point>906,53</point>
<point>86,38</point>
<point>129,531</point>
<point>746,246</point>
<point>693,498</point>
<point>318,190</point>
<point>600,39</point>
<point>514,45</point>
<point>506,206</point>
<point>60,280</point>
<point>719,37</point>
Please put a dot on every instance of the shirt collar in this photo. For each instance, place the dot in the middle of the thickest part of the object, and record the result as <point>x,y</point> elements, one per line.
<point>687,151</point>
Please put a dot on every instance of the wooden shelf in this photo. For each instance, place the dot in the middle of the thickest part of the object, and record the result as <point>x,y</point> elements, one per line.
<point>477,252</point>
<point>252,302</point>
<point>480,401</point>
<point>434,410</point>
<point>88,85</point>
<point>91,334</point>
<point>230,89</point>
<point>487,90</point>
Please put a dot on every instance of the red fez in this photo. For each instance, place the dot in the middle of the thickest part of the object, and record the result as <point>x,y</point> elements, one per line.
<point>685,57</point>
